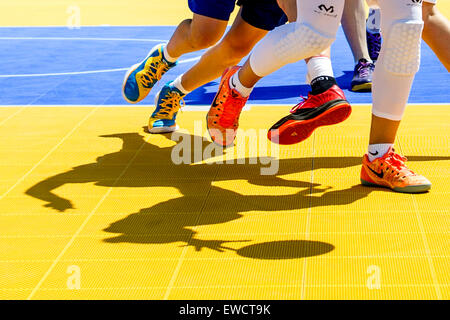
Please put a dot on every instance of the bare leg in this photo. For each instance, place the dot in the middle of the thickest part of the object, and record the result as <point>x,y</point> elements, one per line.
<point>195,34</point>
<point>387,134</point>
<point>237,43</point>
<point>325,53</point>
<point>436,33</point>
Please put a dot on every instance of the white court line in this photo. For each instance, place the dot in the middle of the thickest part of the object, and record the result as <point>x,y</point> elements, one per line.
<point>192,107</point>
<point>61,254</point>
<point>59,74</point>
<point>307,233</point>
<point>47,154</point>
<point>11,116</point>
<point>425,241</point>
<point>185,109</point>
<point>78,72</point>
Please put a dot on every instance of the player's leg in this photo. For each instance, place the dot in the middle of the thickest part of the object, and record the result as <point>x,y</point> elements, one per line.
<point>207,26</point>
<point>326,104</point>
<point>398,62</point>
<point>313,32</point>
<point>223,116</point>
<point>236,44</point>
<point>436,32</point>
<point>253,21</point>
<point>354,25</point>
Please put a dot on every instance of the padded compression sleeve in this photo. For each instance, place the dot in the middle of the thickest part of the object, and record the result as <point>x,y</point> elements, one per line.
<point>399,60</point>
<point>314,31</point>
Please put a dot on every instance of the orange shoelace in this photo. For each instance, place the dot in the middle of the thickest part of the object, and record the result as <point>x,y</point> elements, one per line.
<point>232,109</point>
<point>170,105</point>
<point>397,162</point>
<point>149,76</point>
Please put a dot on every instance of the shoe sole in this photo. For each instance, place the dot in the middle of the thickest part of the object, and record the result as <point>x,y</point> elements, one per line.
<point>298,131</point>
<point>410,189</point>
<point>130,71</point>
<point>365,87</point>
<point>163,129</point>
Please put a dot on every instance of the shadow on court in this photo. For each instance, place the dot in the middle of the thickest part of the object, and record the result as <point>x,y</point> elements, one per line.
<point>143,164</point>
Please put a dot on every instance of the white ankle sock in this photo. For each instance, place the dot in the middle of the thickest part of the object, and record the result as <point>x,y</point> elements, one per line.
<point>167,55</point>
<point>236,84</point>
<point>177,84</point>
<point>378,150</point>
<point>319,66</point>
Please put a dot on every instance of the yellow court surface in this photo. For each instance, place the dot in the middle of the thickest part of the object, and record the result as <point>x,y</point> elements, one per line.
<point>94,207</point>
<point>86,192</point>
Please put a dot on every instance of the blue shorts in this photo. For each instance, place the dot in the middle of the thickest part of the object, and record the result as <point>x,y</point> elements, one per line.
<point>261,14</point>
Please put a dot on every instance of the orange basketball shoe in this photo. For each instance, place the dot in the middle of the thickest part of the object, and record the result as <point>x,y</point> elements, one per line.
<point>223,116</point>
<point>390,171</point>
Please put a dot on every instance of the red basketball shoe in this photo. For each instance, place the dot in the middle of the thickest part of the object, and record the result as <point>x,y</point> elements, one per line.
<point>327,108</point>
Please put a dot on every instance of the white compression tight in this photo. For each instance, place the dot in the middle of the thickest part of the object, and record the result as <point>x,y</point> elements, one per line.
<point>399,60</point>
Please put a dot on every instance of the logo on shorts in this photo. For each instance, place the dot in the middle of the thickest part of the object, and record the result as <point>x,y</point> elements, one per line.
<point>327,11</point>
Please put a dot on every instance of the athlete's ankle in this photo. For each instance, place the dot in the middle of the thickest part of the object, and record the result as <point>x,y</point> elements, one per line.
<point>167,56</point>
<point>321,84</point>
<point>177,84</point>
<point>236,84</point>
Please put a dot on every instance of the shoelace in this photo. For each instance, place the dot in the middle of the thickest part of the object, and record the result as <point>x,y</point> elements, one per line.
<point>398,162</point>
<point>232,109</point>
<point>170,105</point>
<point>301,103</point>
<point>149,76</point>
<point>363,69</point>
<point>374,42</point>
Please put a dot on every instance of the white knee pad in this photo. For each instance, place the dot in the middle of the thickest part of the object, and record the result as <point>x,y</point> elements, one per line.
<point>394,73</point>
<point>402,47</point>
<point>287,44</point>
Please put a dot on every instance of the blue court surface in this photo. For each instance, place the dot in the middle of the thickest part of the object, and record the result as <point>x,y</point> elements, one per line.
<point>60,66</point>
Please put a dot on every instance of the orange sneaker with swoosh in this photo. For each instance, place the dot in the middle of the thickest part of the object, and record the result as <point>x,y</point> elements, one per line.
<point>390,171</point>
<point>223,116</point>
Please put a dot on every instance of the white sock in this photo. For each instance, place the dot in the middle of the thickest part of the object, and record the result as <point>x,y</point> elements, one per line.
<point>374,21</point>
<point>378,150</point>
<point>167,56</point>
<point>236,84</point>
<point>319,66</point>
<point>177,84</point>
